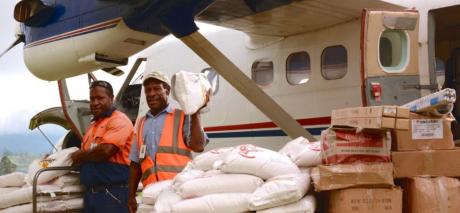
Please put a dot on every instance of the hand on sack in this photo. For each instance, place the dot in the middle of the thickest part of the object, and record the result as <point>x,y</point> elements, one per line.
<point>208,94</point>
<point>76,157</point>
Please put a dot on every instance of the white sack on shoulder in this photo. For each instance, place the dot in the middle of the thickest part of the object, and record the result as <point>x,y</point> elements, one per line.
<point>228,203</point>
<point>60,158</point>
<point>302,152</point>
<point>206,160</point>
<point>151,192</point>
<point>15,179</point>
<point>280,190</point>
<point>219,183</point>
<point>165,201</point>
<point>305,205</point>
<point>189,90</point>
<point>250,159</point>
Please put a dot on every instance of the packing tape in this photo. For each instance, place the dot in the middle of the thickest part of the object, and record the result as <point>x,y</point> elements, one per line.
<point>428,163</point>
<point>442,195</point>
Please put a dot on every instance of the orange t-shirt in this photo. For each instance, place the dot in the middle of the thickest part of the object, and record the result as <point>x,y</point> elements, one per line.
<point>117,130</point>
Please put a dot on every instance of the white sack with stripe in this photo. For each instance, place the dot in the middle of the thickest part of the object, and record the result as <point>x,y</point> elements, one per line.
<point>305,205</point>
<point>189,90</point>
<point>151,192</point>
<point>253,160</point>
<point>214,183</point>
<point>228,203</point>
<point>280,190</point>
<point>302,152</point>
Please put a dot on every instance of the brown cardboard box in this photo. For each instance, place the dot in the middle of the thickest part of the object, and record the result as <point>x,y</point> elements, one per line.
<point>429,162</point>
<point>425,132</point>
<point>366,200</point>
<point>431,195</point>
<point>352,175</point>
<point>346,145</point>
<point>376,117</point>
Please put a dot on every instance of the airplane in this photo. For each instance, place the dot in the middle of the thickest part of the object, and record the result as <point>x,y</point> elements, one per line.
<point>284,64</point>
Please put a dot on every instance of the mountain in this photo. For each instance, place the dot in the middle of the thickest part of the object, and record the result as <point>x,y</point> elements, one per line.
<point>30,142</point>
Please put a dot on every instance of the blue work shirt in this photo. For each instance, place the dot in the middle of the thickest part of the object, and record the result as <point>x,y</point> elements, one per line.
<point>153,127</point>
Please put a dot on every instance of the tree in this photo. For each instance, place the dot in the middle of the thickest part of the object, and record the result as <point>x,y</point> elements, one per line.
<point>6,166</point>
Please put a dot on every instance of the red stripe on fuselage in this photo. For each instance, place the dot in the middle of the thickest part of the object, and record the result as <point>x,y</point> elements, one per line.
<point>303,122</point>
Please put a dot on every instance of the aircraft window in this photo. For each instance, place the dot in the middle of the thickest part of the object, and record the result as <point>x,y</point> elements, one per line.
<point>298,68</point>
<point>213,78</point>
<point>393,50</point>
<point>262,72</point>
<point>334,62</point>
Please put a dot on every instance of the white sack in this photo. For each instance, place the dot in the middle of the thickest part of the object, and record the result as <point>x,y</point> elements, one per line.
<point>8,190</point>
<point>206,160</point>
<point>219,183</point>
<point>165,201</point>
<point>66,180</point>
<point>228,203</point>
<point>144,208</point>
<point>15,179</point>
<point>280,190</point>
<point>302,152</point>
<point>60,158</point>
<point>151,192</point>
<point>52,206</point>
<point>24,195</point>
<point>263,163</point>
<point>186,175</point>
<point>189,90</point>
<point>305,205</point>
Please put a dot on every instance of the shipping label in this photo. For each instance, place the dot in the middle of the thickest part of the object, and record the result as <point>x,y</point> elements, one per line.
<point>427,129</point>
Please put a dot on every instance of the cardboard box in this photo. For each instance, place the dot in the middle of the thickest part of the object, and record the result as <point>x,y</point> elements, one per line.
<point>431,195</point>
<point>376,117</point>
<point>425,133</point>
<point>366,200</point>
<point>352,175</point>
<point>426,163</point>
<point>346,145</point>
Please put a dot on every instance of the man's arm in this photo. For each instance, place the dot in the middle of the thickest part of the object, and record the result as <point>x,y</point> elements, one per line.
<point>197,139</point>
<point>100,153</point>
<point>134,178</point>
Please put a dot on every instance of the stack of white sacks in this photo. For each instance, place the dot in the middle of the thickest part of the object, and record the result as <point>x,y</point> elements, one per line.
<point>59,190</point>
<point>239,179</point>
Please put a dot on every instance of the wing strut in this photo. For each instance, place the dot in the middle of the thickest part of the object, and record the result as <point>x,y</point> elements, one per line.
<point>209,53</point>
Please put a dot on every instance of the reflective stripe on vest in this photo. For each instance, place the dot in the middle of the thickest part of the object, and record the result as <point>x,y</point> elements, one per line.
<point>172,154</point>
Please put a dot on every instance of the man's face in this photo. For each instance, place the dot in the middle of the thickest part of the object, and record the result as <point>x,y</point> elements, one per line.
<point>156,94</point>
<point>100,101</point>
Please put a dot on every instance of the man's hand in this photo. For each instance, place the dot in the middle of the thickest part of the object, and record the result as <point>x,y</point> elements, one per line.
<point>77,157</point>
<point>208,94</point>
<point>132,204</point>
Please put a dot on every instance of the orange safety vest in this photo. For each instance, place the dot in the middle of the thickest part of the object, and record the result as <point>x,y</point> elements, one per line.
<point>172,154</point>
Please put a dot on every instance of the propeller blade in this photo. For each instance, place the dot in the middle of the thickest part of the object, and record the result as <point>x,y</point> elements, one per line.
<point>18,41</point>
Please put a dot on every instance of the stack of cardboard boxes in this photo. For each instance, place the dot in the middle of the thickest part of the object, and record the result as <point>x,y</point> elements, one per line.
<point>358,173</point>
<point>366,148</point>
<point>425,160</point>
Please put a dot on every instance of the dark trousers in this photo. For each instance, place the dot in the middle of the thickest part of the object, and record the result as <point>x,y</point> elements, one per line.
<point>105,200</point>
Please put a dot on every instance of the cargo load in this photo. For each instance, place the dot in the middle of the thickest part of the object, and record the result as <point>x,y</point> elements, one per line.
<point>375,117</point>
<point>347,145</point>
<point>366,200</point>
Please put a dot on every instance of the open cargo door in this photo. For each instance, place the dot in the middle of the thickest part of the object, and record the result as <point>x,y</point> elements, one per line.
<point>389,44</point>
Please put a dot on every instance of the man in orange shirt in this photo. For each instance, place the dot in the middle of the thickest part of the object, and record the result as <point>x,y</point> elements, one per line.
<point>104,154</point>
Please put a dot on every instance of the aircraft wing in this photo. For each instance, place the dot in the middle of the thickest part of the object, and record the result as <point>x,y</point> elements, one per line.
<point>286,17</point>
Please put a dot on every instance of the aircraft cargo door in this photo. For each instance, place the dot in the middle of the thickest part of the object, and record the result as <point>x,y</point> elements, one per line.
<point>389,57</point>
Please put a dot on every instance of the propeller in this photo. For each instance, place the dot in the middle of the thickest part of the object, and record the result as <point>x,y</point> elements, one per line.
<point>20,39</point>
